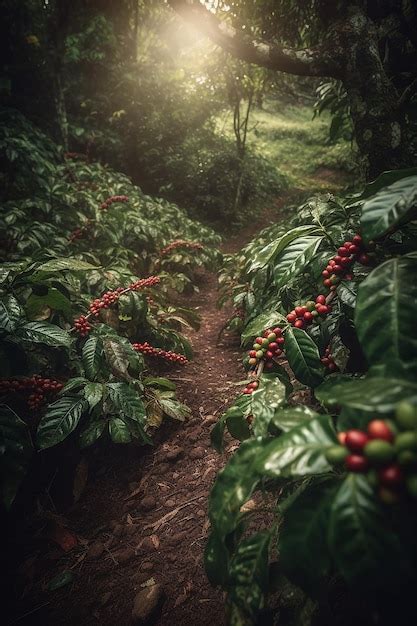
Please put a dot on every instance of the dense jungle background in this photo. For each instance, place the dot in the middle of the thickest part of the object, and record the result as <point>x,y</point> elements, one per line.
<point>208,286</point>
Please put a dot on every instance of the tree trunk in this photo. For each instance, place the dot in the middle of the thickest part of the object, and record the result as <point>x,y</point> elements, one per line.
<point>381,128</point>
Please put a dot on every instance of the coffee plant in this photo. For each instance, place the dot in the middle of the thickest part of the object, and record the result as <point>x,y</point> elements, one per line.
<point>87,320</point>
<point>327,308</point>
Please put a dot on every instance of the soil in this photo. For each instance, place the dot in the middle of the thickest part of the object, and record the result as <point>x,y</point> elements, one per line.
<point>142,516</point>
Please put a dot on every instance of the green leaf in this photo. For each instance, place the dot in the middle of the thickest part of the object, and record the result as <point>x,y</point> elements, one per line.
<point>260,323</point>
<point>271,251</point>
<point>10,312</point>
<point>385,315</point>
<point>119,431</point>
<point>15,453</point>
<point>117,356</point>
<point>264,401</point>
<point>234,485</point>
<point>161,383</point>
<point>347,293</point>
<point>388,207</point>
<point>92,356</point>
<point>387,178</point>
<point>371,393</point>
<point>249,575</point>
<point>363,545</point>
<point>294,259</point>
<point>173,408</point>
<point>73,383</point>
<point>42,332</point>
<point>127,400</point>
<point>303,357</point>
<point>56,265</point>
<point>286,418</point>
<point>60,419</point>
<point>54,299</point>
<point>239,410</point>
<point>303,550</point>
<point>92,432</point>
<point>298,452</point>
<point>93,393</point>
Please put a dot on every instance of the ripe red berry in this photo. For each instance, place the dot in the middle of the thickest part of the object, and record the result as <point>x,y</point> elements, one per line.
<point>332,262</point>
<point>252,354</point>
<point>277,330</point>
<point>280,341</point>
<point>338,260</point>
<point>337,269</point>
<point>356,440</point>
<point>300,310</point>
<point>343,251</point>
<point>357,239</point>
<point>259,340</point>
<point>321,299</point>
<point>353,249</point>
<point>291,317</point>
<point>391,476</point>
<point>347,245</point>
<point>356,463</point>
<point>325,273</point>
<point>299,324</point>
<point>308,317</point>
<point>273,346</point>
<point>345,261</point>
<point>269,355</point>
<point>327,282</point>
<point>378,429</point>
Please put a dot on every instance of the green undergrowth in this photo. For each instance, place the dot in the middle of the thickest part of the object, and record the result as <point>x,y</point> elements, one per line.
<point>297,145</point>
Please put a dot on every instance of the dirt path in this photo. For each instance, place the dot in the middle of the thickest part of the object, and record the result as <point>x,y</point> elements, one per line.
<point>144,516</point>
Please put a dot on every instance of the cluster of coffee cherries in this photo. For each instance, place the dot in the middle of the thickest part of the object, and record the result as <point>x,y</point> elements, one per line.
<point>105,205</point>
<point>328,361</point>
<point>80,232</point>
<point>148,350</point>
<point>82,325</point>
<point>180,243</point>
<point>338,267</point>
<point>38,386</point>
<point>251,387</point>
<point>267,348</point>
<point>303,316</point>
<point>386,452</point>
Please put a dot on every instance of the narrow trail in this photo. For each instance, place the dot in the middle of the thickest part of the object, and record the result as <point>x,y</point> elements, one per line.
<point>142,518</point>
<point>143,515</point>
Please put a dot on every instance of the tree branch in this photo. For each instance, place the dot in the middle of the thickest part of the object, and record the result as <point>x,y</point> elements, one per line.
<point>315,61</point>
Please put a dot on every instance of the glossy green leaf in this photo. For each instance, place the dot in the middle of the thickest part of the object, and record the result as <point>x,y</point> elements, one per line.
<point>58,264</point>
<point>385,315</point>
<point>303,550</point>
<point>261,323</point>
<point>173,408</point>
<point>303,357</point>
<point>119,430</point>
<point>127,400</point>
<point>360,539</point>
<point>264,401</point>
<point>93,393</point>
<point>248,575</point>
<point>370,393</point>
<point>271,251</point>
<point>92,432</point>
<point>294,259</point>
<point>347,293</point>
<point>92,356</point>
<point>298,452</point>
<point>387,207</point>
<point>287,417</point>
<point>42,332</point>
<point>60,419</point>
<point>233,486</point>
